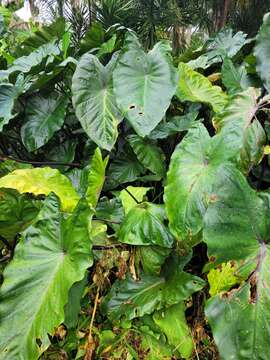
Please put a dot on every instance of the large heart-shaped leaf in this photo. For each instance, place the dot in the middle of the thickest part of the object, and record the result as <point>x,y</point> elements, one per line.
<point>42,181</point>
<point>144,225</point>
<point>191,178</point>
<point>237,227</point>
<point>130,299</point>
<point>53,254</point>
<point>262,51</point>
<point>8,95</point>
<point>94,100</point>
<point>195,87</point>
<point>44,116</point>
<point>152,81</point>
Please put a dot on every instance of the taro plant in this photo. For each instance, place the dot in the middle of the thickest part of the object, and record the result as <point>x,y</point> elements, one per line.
<point>134,198</point>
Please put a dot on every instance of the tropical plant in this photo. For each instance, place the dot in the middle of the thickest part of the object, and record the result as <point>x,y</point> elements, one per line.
<point>134,197</point>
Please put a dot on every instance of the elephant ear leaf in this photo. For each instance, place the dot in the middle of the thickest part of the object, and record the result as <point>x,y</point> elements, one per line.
<point>94,100</point>
<point>195,87</point>
<point>262,51</point>
<point>42,181</point>
<point>152,81</point>
<point>236,228</point>
<point>44,116</point>
<point>52,255</point>
<point>8,95</point>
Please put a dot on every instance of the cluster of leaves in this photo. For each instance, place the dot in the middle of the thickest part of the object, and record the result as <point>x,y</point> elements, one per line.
<point>134,197</point>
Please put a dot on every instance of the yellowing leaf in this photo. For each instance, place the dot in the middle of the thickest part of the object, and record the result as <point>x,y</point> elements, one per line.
<point>42,181</point>
<point>267,150</point>
<point>222,279</point>
<point>128,196</point>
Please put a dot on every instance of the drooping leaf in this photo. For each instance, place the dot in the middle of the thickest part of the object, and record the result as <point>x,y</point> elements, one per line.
<point>94,101</point>
<point>148,153</point>
<point>42,181</point>
<point>152,81</point>
<point>143,225</point>
<point>96,177</point>
<point>53,254</point>
<point>190,181</point>
<point>8,95</point>
<point>44,116</point>
<point>16,212</point>
<point>130,299</point>
<point>262,51</point>
<point>173,324</point>
<point>222,278</point>
<point>129,195</point>
<point>195,87</point>
<point>174,125</point>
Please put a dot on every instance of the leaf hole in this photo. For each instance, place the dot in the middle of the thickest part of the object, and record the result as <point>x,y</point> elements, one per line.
<point>140,113</point>
<point>131,107</point>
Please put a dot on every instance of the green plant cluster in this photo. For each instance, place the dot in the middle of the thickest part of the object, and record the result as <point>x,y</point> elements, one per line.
<point>134,197</point>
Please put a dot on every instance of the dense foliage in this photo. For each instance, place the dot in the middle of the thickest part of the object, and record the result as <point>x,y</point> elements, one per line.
<point>134,196</point>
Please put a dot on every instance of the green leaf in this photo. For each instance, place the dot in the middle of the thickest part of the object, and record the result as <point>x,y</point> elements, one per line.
<point>237,227</point>
<point>195,87</point>
<point>8,95</point>
<point>94,101</point>
<point>175,125</point>
<point>225,44</point>
<point>35,59</point>
<point>152,258</point>
<point>42,181</point>
<point>152,81</point>
<point>64,152</point>
<point>44,116</point>
<point>191,180</point>
<point>8,166</point>
<point>262,51</point>
<point>96,178</point>
<point>231,76</point>
<point>239,128</point>
<point>111,210</point>
<point>129,195</point>
<point>173,324</point>
<point>130,299</point>
<point>148,153</point>
<point>53,254</point>
<point>93,38</point>
<point>16,212</point>
<point>222,278</point>
<point>144,225</point>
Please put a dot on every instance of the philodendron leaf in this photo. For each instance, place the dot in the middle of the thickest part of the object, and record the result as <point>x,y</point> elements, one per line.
<point>231,76</point>
<point>17,211</point>
<point>237,227</point>
<point>52,255</point>
<point>173,324</point>
<point>44,116</point>
<point>8,95</point>
<point>241,131</point>
<point>94,100</point>
<point>152,81</point>
<point>131,196</point>
<point>262,51</point>
<point>144,225</point>
<point>148,153</point>
<point>42,181</point>
<point>195,87</point>
<point>190,181</point>
<point>96,177</point>
<point>130,298</point>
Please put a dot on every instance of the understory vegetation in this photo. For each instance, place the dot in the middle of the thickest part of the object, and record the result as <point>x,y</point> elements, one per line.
<point>134,195</point>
